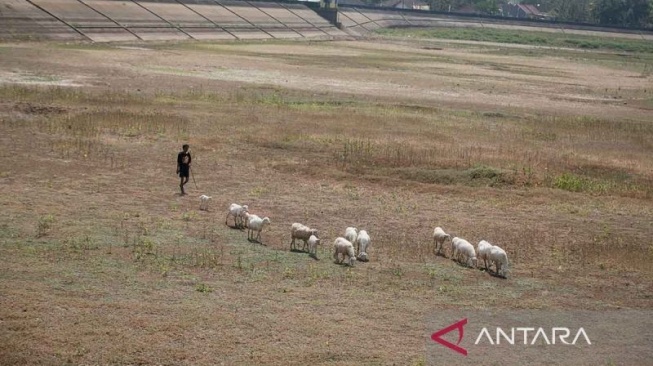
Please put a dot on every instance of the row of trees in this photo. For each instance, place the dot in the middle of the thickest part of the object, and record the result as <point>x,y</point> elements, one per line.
<point>625,13</point>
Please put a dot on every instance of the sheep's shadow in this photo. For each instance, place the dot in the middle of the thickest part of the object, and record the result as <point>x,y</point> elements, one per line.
<point>343,264</point>
<point>234,227</point>
<point>464,265</point>
<point>256,242</point>
<point>441,254</point>
<point>301,251</point>
<point>493,274</point>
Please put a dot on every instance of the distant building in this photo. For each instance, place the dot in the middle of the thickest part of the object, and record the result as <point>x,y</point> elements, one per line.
<point>407,4</point>
<point>354,2</point>
<point>524,11</point>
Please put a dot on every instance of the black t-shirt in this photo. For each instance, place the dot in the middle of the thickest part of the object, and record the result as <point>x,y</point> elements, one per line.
<point>183,159</point>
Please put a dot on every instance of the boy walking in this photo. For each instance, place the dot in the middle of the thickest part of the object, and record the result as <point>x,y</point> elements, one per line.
<point>183,167</point>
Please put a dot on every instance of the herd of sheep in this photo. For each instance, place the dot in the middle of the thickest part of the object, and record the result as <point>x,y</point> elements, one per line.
<point>463,251</point>
<point>354,241</point>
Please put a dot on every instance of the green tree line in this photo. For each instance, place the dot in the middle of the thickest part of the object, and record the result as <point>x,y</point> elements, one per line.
<point>625,13</point>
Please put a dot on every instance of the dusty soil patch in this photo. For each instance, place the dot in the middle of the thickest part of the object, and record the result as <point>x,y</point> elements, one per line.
<point>106,263</point>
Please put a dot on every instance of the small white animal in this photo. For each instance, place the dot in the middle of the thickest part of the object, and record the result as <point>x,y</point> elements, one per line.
<point>302,232</point>
<point>204,202</point>
<point>464,250</point>
<point>313,242</point>
<point>483,248</point>
<point>350,234</point>
<point>499,257</point>
<point>256,224</point>
<point>237,212</point>
<point>362,245</point>
<point>346,248</point>
<point>439,237</point>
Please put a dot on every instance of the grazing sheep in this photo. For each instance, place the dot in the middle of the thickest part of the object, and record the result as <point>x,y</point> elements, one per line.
<point>346,248</point>
<point>313,242</point>
<point>499,257</point>
<point>454,244</point>
<point>463,249</point>
<point>362,245</point>
<point>257,224</point>
<point>204,202</point>
<point>245,218</point>
<point>439,237</point>
<point>483,249</point>
<point>236,211</point>
<point>303,232</point>
<point>350,234</point>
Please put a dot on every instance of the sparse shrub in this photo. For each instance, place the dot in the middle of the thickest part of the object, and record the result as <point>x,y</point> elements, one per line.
<point>482,171</point>
<point>398,271</point>
<point>203,288</point>
<point>432,273</point>
<point>44,225</point>
<point>188,216</point>
<point>356,151</point>
<point>288,273</point>
<point>258,191</point>
<point>142,247</point>
<point>569,182</point>
<point>144,230</point>
<point>420,362</point>
<point>205,258</point>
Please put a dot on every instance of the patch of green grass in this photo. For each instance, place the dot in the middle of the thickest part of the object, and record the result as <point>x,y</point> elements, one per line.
<point>569,182</point>
<point>482,171</point>
<point>96,46</point>
<point>575,183</point>
<point>524,37</point>
<point>204,288</point>
<point>44,225</point>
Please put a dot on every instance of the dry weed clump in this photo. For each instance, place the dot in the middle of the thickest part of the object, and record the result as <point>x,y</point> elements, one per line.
<point>497,150</point>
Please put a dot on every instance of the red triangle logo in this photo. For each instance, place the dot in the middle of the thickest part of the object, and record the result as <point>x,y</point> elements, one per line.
<point>458,325</point>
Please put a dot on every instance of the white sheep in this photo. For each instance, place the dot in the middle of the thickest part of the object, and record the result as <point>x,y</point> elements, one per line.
<point>244,217</point>
<point>499,257</point>
<point>454,244</point>
<point>464,250</point>
<point>303,232</point>
<point>313,242</point>
<point>350,234</point>
<point>204,202</point>
<point>439,237</point>
<point>483,250</point>
<point>237,212</point>
<point>257,224</point>
<point>346,248</point>
<point>362,245</point>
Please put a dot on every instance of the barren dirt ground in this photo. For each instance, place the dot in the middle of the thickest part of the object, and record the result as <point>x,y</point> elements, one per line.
<point>104,263</point>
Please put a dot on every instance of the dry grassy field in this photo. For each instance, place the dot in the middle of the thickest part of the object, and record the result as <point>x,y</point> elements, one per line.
<point>544,152</point>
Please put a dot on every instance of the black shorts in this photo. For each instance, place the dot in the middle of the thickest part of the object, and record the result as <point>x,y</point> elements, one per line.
<point>184,171</point>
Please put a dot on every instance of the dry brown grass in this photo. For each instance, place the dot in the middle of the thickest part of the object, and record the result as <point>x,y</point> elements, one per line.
<point>104,263</point>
